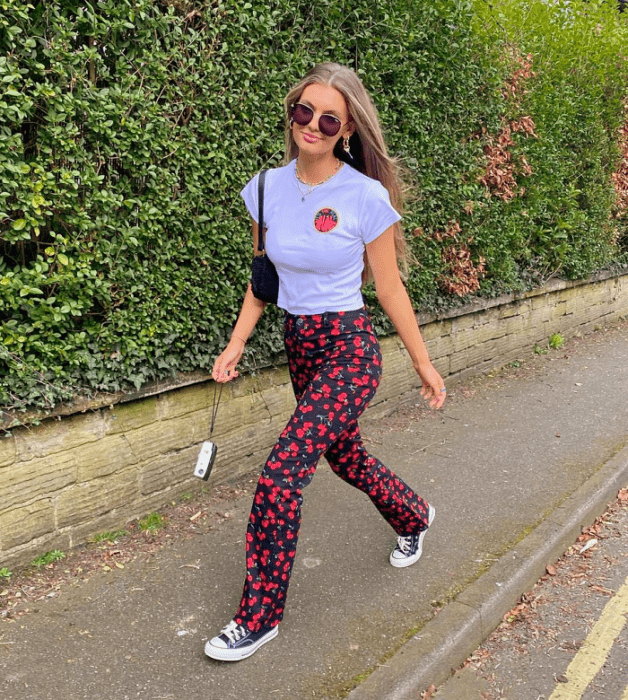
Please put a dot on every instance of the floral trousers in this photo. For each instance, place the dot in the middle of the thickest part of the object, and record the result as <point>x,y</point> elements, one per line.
<point>335,368</point>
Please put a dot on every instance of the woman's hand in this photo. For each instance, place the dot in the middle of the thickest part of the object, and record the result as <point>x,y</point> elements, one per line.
<point>225,365</point>
<point>433,389</point>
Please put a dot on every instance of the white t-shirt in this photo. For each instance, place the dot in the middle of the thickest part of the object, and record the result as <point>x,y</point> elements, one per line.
<point>317,241</point>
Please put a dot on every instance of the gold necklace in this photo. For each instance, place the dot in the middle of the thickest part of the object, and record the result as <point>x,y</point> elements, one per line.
<point>312,185</point>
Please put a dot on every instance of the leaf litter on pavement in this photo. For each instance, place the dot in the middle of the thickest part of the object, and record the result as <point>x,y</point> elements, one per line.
<point>529,625</point>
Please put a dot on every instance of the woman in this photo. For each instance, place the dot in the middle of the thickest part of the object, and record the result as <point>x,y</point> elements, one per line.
<point>327,215</point>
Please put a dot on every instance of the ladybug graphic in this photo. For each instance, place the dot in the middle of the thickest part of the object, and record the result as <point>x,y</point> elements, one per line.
<point>325,220</point>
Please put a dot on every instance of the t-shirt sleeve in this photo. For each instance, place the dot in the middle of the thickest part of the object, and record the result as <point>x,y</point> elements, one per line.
<point>249,195</point>
<point>377,213</point>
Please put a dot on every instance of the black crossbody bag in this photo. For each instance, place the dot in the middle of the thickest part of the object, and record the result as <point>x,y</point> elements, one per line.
<point>264,278</point>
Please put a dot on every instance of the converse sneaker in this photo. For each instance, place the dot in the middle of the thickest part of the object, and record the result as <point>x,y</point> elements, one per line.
<point>236,642</point>
<point>410,548</point>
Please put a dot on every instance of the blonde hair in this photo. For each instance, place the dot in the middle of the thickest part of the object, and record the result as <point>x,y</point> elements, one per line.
<point>369,154</point>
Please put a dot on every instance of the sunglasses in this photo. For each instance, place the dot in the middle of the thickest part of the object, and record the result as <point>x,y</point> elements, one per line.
<point>327,123</point>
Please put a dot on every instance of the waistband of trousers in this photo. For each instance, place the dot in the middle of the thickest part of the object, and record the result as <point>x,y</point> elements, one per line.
<point>327,317</point>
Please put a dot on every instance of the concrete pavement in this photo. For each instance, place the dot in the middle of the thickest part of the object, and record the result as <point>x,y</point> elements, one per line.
<point>514,464</point>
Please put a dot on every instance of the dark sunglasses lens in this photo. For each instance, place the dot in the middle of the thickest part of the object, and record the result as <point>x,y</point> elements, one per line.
<point>329,125</point>
<point>302,115</point>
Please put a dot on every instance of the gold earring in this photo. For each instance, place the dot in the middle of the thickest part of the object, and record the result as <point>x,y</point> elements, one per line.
<point>345,145</point>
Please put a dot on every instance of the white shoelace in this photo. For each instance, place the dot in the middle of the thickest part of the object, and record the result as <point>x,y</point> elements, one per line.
<point>233,631</point>
<point>405,544</point>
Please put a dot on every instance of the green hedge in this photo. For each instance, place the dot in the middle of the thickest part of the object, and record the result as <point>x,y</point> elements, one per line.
<point>576,96</point>
<point>128,128</point>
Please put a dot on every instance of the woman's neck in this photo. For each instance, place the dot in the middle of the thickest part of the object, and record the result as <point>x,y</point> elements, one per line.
<point>315,170</point>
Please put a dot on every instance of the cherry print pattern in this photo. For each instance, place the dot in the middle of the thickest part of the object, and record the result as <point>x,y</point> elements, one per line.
<point>325,220</point>
<point>335,367</point>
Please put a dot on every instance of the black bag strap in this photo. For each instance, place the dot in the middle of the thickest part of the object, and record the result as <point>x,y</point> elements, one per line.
<point>215,409</point>
<point>260,218</point>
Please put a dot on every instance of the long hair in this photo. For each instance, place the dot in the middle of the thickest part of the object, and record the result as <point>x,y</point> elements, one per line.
<point>369,154</point>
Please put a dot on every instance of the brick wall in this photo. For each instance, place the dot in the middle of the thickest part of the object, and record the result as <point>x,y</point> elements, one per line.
<point>96,469</point>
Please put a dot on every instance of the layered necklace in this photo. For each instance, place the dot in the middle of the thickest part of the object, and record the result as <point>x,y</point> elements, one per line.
<point>311,186</point>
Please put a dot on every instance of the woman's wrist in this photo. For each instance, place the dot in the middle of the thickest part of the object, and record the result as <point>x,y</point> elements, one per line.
<point>237,337</point>
<point>422,365</point>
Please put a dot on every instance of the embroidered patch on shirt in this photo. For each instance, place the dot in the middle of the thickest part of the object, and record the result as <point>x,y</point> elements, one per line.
<point>325,220</point>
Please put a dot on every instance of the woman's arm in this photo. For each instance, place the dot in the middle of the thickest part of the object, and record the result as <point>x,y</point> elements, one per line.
<point>252,308</point>
<point>394,299</point>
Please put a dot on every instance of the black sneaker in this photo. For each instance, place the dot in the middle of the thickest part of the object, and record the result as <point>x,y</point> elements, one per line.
<point>410,548</point>
<point>236,642</point>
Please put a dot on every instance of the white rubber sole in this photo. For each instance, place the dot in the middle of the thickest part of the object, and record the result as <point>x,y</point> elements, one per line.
<point>222,654</point>
<point>408,561</point>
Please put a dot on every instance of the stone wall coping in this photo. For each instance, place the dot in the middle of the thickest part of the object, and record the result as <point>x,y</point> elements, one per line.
<point>482,304</point>
<point>9,420</point>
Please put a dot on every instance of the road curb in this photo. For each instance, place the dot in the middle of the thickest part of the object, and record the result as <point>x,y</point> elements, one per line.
<point>446,641</point>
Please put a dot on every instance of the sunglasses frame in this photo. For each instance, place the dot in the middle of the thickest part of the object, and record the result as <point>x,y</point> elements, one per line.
<point>321,128</point>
